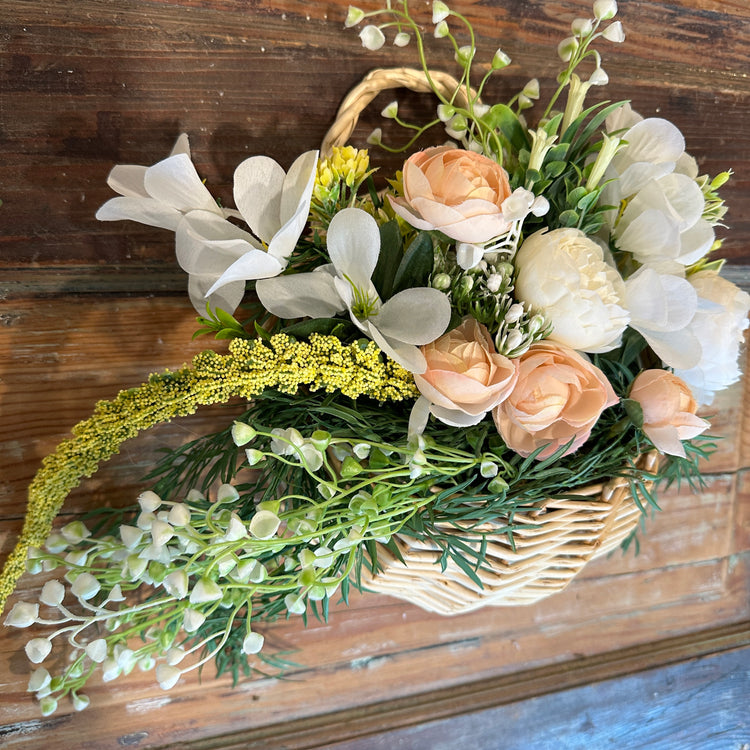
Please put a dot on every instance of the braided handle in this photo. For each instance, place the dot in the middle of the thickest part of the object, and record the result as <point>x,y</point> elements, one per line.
<point>382,79</point>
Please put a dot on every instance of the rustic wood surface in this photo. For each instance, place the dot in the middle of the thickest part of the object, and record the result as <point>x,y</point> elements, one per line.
<point>87,309</point>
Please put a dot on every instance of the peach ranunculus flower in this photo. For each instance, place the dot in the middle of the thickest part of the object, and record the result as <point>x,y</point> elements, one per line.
<point>668,410</point>
<point>559,397</point>
<point>465,374</point>
<point>460,193</point>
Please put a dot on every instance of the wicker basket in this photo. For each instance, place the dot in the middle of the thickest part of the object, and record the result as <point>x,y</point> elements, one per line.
<point>557,538</point>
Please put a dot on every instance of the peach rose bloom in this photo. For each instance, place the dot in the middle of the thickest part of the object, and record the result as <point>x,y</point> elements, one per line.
<point>465,372</point>
<point>559,397</point>
<point>458,192</point>
<point>668,410</point>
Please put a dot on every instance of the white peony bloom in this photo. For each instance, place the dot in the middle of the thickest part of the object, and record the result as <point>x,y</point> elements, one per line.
<point>719,325</point>
<point>563,275</point>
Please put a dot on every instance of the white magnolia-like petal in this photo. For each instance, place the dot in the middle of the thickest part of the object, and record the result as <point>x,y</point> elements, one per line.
<point>407,355</point>
<point>298,185</point>
<point>208,244</point>
<point>414,316</point>
<point>175,182</point>
<point>301,295</point>
<point>144,210</point>
<point>181,145</point>
<point>258,184</point>
<point>354,245</point>
<point>128,179</point>
<point>254,264</point>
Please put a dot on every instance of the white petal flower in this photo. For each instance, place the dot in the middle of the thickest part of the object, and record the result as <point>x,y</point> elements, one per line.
<point>161,532</point>
<point>130,535</point>
<point>80,702</point>
<point>179,515</point>
<point>220,257</point>
<point>719,325</point>
<point>614,33</point>
<point>408,319</point>
<point>149,501</point>
<point>75,532</point>
<point>158,195</point>
<point>175,655</point>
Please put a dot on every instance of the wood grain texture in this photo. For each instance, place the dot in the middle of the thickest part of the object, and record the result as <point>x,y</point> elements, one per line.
<point>87,309</point>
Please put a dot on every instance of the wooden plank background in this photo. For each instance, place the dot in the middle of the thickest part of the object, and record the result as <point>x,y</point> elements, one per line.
<point>89,308</point>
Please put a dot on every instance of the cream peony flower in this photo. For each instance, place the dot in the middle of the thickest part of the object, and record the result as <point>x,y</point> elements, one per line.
<point>455,191</point>
<point>719,325</point>
<point>668,410</point>
<point>563,275</point>
<point>559,397</point>
<point>465,376</point>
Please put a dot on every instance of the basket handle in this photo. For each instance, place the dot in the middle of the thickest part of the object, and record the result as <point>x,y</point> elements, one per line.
<point>382,79</point>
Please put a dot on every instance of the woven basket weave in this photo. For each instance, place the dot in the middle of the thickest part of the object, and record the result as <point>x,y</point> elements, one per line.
<point>558,537</point>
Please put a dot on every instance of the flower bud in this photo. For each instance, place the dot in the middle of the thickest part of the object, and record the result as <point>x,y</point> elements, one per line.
<point>401,39</point>
<point>500,60</point>
<point>167,676</point>
<point>372,38</point>
<point>264,524</point>
<point>441,30</point>
<point>581,26</point>
<point>242,433</point>
<point>253,643</point>
<point>390,111</point>
<point>53,592</point>
<point>75,532</point>
<point>440,11</point>
<point>567,48</point>
<point>85,586</point>
<point>353,17</point>
<point>38,649</point>
<point>149,501</point>
<point>614,33</point>
<point>205,591</point>
<point>464,55</point>
<point>605,9</point>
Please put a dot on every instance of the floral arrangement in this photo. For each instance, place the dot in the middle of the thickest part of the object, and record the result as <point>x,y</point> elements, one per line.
<point>514,314</point>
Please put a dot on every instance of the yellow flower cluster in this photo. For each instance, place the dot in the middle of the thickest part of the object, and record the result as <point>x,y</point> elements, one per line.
<point>250,367</point>
<point>345,164</point>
